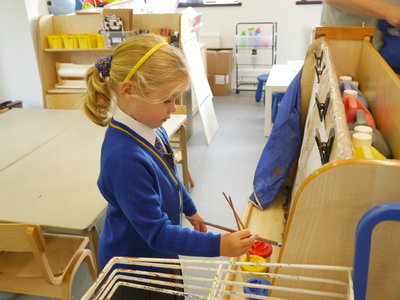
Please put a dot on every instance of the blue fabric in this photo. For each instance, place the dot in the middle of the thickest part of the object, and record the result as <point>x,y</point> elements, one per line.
<point>390,50</point>
<point>143,216</point>
<point>281,149</point>
<point>276,100</point>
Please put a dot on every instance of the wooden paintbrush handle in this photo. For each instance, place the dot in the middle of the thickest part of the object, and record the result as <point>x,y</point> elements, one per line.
<point>261,239</point>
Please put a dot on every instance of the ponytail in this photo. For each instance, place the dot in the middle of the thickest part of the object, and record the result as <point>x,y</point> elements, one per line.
<point>97,101</point>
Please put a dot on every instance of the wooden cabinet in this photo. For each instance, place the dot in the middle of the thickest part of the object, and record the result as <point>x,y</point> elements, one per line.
<point>329,200</point>
<point>83,23</point>
<point>316,222</point>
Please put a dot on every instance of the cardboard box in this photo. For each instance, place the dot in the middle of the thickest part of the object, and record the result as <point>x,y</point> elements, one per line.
<point>220,84</point>
<point>219,61</point>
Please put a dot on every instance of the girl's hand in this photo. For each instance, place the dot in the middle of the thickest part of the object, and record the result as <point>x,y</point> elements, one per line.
<point>236,243</point>
<point>197,225</point>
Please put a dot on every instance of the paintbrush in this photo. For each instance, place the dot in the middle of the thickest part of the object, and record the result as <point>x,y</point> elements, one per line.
<point>261,239</point>
<point>239,222</point>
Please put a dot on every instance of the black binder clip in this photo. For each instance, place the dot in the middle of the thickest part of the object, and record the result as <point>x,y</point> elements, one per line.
<point>325,147</point>
<point>318,59</point>
<point>319,71</point>
<point>322,107</point>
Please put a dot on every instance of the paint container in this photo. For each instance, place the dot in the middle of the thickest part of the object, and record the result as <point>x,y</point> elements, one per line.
<point>261,249</point>
<point>350,104</point>
<point>256,291</point>
<point>346,83</point>
<point>362,146</point>
<point>256,269</point>
<point>378,140</point>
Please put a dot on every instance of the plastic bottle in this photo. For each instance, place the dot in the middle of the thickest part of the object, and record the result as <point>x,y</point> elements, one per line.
<point>378,140</point>
<point>347,83</point>
<point>351,108</point>
<point>250,33</point>
<point>362,146</point>
<point>258,39</point>
<point>243,40</point>
<point>350,104</point>
<point>364,129</point>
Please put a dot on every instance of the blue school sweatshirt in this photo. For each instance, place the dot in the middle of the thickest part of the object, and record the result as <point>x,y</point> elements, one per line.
<point>143,213</point>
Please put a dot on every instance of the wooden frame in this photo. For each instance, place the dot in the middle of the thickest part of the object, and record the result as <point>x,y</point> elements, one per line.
<point>40,264</point>
<point>327,203</point>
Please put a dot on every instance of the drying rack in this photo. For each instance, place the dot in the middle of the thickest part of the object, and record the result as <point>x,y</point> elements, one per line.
<point>208,280</point>
<point>255,52</point>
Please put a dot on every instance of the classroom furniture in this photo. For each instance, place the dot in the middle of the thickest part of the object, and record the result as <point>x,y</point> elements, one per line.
<point>178,143</point>
<point>278,80</point>
<point>255,52</point>
<point>71,98</point>
<point>49,169</point>
<point>204,279</point>
<point>40,264</point>
<point>260,93</point>
<point>362,252</point>
<point>67,98</point>
<point>316,213</point>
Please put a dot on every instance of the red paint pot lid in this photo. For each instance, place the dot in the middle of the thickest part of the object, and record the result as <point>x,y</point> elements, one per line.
<point>261,249</point>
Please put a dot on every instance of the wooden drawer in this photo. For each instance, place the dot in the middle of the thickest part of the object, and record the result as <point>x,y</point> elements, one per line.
<point>64,101</point>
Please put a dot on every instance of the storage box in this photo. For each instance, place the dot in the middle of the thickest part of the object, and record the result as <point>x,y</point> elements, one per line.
<point>219,61</point>
<point>220,84</point>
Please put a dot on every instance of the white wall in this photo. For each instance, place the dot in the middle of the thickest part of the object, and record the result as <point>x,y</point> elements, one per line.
<point>294,23</point>
<point>19,72</point>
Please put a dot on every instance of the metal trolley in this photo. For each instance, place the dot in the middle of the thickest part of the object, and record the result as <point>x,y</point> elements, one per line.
<point>255,52</point>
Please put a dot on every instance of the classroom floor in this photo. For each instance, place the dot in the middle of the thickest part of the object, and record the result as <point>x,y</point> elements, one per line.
<point>226,165</point>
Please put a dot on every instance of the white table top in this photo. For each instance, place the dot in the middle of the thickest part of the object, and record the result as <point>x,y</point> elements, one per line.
<point>174,123</point>
<point>282,75</point>
<point>49,165</point>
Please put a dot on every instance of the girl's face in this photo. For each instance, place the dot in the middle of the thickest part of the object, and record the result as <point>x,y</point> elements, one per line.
<point>153,115</point>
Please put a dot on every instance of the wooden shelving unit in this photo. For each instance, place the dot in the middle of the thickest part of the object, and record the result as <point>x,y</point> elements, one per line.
<point>83,23</point>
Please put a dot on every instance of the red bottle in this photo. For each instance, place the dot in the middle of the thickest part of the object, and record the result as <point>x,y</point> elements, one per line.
<point>351,104</point>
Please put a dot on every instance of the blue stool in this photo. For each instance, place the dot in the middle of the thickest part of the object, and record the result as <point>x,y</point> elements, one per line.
<point>262,79</point>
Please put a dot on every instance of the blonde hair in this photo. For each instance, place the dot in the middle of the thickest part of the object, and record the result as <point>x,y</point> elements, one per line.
<point>166,68</point>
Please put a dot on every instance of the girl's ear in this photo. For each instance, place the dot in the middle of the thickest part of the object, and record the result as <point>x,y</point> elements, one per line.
<point>126,89</point>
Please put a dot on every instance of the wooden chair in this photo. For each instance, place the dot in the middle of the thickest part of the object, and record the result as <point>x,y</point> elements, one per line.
<point>35,263</point>
<point>180,149</point>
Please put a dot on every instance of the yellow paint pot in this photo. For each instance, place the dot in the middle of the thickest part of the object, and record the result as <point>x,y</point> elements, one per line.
<point>256,269</point>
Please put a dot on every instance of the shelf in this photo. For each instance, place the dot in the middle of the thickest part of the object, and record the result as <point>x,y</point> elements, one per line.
<point>78,50</point>
<point>306,2</point>
<point>208,5</point>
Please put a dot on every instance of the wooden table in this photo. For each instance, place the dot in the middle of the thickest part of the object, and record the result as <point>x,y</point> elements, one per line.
<point>49,165</point>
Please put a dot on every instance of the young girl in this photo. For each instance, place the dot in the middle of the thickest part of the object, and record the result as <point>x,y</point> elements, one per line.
<point>134,93</point>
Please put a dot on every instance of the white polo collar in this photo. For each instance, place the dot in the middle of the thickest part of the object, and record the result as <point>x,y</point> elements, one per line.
<point>149,134</point>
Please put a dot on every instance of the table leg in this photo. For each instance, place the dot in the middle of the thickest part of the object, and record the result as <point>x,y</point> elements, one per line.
<point>185,165</point>
<point>268,111</point>
<point>94,241</point>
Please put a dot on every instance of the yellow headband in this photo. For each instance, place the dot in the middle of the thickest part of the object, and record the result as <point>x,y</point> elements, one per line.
<point>143,59</point>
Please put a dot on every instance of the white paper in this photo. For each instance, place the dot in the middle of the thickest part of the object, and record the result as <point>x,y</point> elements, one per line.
<point>220,79</point>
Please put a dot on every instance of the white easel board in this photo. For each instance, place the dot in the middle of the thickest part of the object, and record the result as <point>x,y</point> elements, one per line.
<point>201,88</point>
